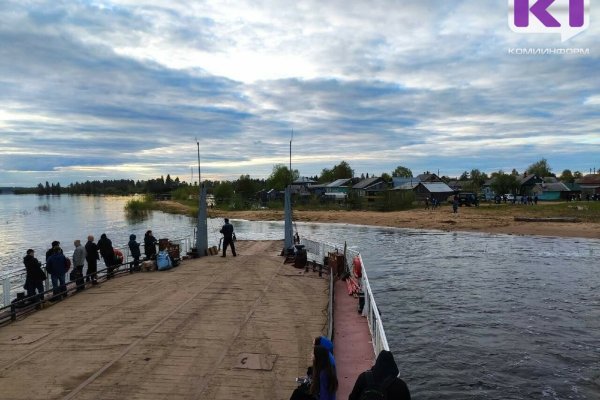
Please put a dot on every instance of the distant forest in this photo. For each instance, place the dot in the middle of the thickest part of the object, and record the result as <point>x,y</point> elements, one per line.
<point>107,187</point>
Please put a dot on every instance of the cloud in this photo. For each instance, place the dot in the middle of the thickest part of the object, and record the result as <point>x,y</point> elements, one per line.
<point>124,88</point>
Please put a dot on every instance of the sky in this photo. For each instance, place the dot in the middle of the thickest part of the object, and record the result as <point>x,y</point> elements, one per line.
<point>125,89</point>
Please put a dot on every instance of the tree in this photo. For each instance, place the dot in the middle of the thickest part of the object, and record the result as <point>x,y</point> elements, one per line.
<point>340,171</point>
<point>402,172</point>
<point>540,168</point>
<point>223,192</point>
<point>567,176</point>
<point>514,172</point>
<point>464,176</point>
<point>504,183</point>
<point>386,177</point>
<point>245,187</point>
<point>577,175</point>
<point>478,177</point>
<point>280,177</point>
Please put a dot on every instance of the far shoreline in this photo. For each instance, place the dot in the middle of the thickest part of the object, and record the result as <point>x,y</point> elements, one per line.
<point>468,219</point>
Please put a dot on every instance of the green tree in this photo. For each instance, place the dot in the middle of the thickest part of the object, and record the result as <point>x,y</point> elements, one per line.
<point>386,177</point>
<point>402,172</point>
<point>567,176</point>
<point>478,177</point>
<point>280,177</point>
<point>223,193</point>
<point>577,175</point>
<point>464,176</point>
<point>504,183</point>
<point>540,168</point>
<point>246,188</point>
<point>339,171</point>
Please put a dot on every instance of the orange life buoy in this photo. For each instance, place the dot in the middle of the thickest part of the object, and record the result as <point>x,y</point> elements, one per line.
<point>357,267</point>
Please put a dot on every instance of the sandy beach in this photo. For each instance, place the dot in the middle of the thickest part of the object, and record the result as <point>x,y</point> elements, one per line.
<point>478,219</point>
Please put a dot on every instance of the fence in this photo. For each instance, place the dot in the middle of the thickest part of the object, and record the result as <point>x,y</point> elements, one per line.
<point>12,282</point>
<point>317,251</point>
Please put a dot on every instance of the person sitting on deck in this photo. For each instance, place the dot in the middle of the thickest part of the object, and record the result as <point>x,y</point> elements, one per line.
<point>381,381</point>
<point>324,380</point>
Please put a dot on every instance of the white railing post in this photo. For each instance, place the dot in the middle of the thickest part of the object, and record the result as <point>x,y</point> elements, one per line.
<point>6,291</point>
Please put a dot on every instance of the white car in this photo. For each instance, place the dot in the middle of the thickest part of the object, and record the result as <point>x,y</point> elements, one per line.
<point>509,197</point>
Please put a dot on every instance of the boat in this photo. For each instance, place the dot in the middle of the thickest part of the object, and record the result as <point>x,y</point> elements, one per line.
<point>210,328</point>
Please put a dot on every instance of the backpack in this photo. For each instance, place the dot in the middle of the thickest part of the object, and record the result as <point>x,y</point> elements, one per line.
<point>375,391</point>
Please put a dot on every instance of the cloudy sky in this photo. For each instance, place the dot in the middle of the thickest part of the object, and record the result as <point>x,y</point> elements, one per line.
<point>111,89</point>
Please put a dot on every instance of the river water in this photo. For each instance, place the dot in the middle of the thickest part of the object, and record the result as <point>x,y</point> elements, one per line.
<point>467,315</point>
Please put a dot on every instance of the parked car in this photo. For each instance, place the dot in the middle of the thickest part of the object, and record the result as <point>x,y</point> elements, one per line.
<point>465,199</point>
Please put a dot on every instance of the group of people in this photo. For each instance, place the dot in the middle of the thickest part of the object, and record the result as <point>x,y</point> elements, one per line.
<point>379,382</point>
<point>57,264</point>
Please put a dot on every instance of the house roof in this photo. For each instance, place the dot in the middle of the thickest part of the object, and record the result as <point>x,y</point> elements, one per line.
<point>428,177</point>
<point>437,187</point>
<point>591,179</point>
<point>339,182</point>
<point>366,183</point>
<point>399,181</point>
<point>525,178</point>
<point>553,187</point>
<point>303,179</point>
<point>407,186</point>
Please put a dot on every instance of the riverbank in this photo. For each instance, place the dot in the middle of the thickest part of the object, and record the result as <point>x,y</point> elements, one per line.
<point>487,218</point>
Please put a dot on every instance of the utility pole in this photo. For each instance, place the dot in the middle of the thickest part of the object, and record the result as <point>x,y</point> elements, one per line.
<point>202,229</point>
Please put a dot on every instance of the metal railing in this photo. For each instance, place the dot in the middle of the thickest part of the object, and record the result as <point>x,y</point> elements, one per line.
<point>317,251</point>
<point>12,282</point>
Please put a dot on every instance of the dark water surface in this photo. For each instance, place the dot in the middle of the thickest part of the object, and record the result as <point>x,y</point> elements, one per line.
<point>467,315</point>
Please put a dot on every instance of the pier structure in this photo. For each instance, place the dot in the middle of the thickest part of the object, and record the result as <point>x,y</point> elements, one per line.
<point>211,328</point>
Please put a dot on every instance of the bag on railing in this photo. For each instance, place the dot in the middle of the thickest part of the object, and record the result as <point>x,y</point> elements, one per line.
<point>67,264</point>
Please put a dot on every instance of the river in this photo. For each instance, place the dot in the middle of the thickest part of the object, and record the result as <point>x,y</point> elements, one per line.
<point>467,315</point>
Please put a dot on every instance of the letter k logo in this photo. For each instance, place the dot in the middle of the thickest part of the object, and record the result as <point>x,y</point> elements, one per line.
<point>567,17</point>
<point>539,9</point>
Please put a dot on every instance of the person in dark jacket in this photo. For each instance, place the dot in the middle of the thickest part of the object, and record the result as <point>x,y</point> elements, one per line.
<point>150,245</point>
<point>57,268</point>
<point>107,253</point>
<point>35,277</point>
<point>227,231</point>
<point>51,249</point>
<point>382,377</point>
<point>134,248</point>
<point>92,257</point>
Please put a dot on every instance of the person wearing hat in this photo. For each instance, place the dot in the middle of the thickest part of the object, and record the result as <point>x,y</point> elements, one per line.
<point>227,231</point>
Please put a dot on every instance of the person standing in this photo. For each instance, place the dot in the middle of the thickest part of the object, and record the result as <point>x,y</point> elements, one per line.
<point>92,257</point>
<point>150,245</point>
<point>78,262</point>
<point>134,248</point>
<point>35,276</point>
<point>51,249</point>
<point>227,231</point>
<point>107,253</point>
<point>57,268</point>
<point>381,379</point>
